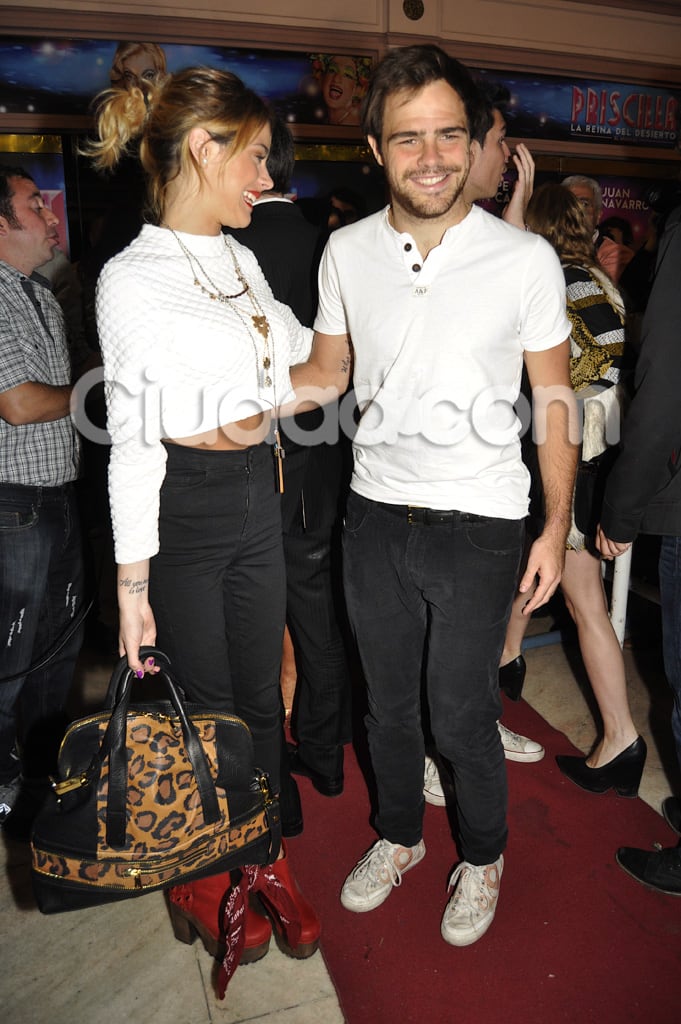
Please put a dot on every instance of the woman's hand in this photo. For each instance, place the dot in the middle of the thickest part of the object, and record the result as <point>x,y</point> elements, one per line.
<point>610,549</point>
<point>514,212</point>
<point>137,627</point>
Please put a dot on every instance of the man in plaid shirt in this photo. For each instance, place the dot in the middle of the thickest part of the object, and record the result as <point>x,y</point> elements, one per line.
<point>41,564</point>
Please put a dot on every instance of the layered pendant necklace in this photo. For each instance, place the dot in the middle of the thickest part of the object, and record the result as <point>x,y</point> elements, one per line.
<point>259,323</point>
<point>258,319</point>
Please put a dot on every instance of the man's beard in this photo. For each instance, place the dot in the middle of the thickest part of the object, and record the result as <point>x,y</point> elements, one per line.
<point>427,207</point>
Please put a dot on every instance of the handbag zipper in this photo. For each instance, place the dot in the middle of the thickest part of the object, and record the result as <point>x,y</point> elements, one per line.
<point>62,786</point>
<point>136,872</point>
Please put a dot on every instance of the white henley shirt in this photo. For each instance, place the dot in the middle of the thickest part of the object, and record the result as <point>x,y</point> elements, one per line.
<point>438,354</point>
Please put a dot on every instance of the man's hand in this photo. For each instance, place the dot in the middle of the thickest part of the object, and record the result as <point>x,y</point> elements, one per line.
<point>514,212</point>
<point>545,563</point>
<point>610,549</point>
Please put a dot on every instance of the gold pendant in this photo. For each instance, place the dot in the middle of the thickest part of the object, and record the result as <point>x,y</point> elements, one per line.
<point>261,325</point>
<point>266,362</point>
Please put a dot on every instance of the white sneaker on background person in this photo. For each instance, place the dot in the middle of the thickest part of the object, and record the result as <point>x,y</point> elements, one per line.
<point>516,748</point>
<point>519,748</point>
<point>432,784</point>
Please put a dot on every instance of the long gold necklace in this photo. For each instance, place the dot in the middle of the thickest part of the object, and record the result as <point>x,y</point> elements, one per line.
<point>258,317</point>
<point>260,324</point>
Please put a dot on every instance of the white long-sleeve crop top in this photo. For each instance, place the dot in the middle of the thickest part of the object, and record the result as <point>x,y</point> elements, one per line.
<point>177,363</point>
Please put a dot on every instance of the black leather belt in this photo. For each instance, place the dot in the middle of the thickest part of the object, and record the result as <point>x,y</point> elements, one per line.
<point>417,516</point>
<point>429,516</point>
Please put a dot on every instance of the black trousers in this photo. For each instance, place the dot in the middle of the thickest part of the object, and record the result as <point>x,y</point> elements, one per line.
<point>218,586</point>
<point>314,603</point>
<point>41,592</point>
<point>431,598</point>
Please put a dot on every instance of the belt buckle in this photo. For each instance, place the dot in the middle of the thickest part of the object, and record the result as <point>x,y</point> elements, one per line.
<point>413,510</point>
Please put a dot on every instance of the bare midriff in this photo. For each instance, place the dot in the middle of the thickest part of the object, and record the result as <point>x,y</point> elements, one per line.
<point>230,436</point>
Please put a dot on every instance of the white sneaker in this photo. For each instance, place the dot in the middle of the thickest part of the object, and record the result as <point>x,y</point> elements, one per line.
<point>371,881</point>
<point>471,909</point>
<point>519,748</point>
<point>516,748</point>
<point>432,784</point>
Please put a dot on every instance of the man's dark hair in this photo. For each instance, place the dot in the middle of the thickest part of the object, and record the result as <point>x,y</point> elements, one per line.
<point>410,68</point>
<point>354,199</point>
<point>7,211</point>
<point>620,223</point>
<point>282,156</point>
<point>493,96</point>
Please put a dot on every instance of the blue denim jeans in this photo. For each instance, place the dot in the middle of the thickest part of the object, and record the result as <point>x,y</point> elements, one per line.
<point>670,597</point>
<point>41,593</point>
<point>429,603</point>
<point>218,587</point>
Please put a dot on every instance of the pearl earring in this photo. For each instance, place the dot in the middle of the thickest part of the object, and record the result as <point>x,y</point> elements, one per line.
<point>205,161</point>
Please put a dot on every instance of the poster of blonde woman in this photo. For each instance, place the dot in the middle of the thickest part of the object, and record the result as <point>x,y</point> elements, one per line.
<point>61,76</point>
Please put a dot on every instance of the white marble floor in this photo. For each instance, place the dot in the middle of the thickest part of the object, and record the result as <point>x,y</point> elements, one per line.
<point>121,963</point>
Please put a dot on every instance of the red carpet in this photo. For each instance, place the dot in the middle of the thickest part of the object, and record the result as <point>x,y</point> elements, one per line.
<point>574,939</point>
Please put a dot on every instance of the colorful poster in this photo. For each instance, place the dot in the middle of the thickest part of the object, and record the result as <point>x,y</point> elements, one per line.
<point>61,76</point>
<point>585,110</point>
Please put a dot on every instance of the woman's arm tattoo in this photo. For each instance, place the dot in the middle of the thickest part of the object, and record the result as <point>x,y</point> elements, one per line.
<point>134,587</point>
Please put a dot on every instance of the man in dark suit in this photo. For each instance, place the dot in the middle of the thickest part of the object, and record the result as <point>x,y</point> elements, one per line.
<point>288,249</point>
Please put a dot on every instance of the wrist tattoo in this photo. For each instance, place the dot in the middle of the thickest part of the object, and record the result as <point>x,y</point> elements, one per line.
<point>134,587</point>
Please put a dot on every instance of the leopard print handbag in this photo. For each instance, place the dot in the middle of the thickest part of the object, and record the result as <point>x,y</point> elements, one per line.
<point>150,795</point>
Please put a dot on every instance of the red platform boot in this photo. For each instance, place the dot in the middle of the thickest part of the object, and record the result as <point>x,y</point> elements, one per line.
<point>198,908</point>
<point>297,924</point>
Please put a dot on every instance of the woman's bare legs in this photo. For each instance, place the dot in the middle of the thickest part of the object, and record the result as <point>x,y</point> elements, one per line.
<point>516,628</point>
<point>584,594</point>
<point>518,623</point>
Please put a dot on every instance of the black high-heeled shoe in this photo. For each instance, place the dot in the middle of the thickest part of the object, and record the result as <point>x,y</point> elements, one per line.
<point>512,677</point>
<point>623,773</point>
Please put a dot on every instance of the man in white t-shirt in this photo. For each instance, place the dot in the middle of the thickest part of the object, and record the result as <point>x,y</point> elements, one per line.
<point>443,302</point>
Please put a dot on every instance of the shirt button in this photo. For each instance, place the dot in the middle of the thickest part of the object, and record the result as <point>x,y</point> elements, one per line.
<point>416,267</point>
<point>407,247</point>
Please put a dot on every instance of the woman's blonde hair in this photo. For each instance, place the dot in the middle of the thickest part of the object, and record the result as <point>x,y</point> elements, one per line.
<point>163,113</point>
<point>556,214</point>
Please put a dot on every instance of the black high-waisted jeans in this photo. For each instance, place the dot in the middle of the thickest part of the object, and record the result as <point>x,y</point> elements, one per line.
<point>218,586</point>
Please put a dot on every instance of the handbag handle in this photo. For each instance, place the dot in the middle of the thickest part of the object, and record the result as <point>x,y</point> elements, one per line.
<point>121,671</point>
<point>114,743</point>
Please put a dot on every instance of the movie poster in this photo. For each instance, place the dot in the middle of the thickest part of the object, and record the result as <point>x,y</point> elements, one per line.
<point>584,110</point>
<point>61,76</point>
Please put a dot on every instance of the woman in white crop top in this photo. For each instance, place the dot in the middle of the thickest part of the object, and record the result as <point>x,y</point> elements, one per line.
<point>196,355</point>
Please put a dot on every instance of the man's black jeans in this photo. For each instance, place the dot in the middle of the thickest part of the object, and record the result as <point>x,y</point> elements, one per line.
<point>428,601</point>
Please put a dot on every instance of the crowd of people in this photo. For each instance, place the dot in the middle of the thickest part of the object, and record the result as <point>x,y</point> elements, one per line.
<point>229,337</point>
